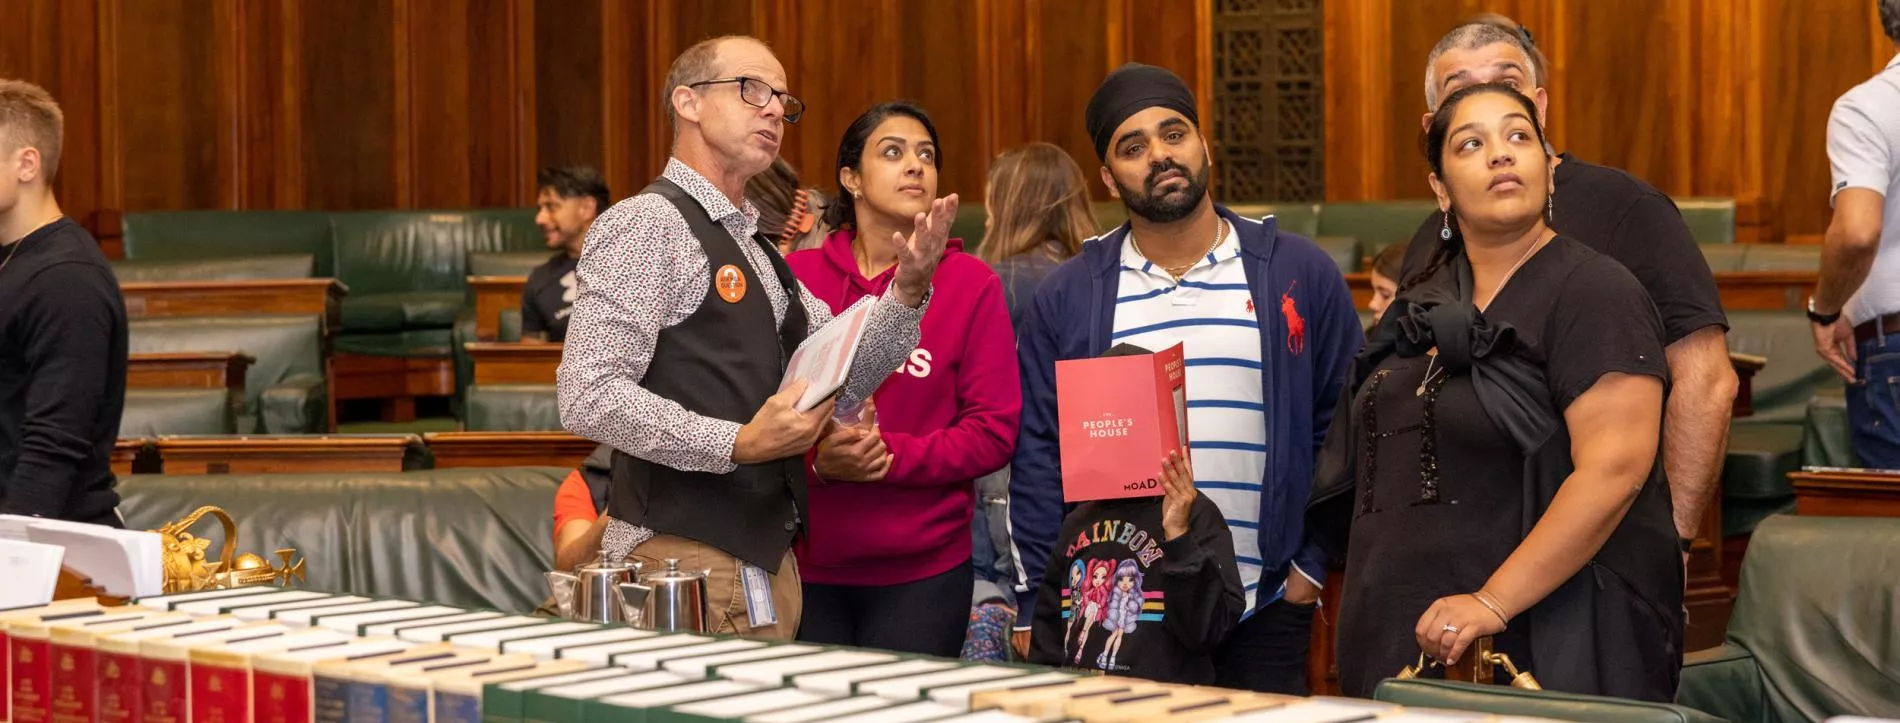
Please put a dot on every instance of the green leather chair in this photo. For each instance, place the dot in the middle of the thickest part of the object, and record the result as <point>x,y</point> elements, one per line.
<point>164,412</point>
<point>242,268</point>
<point>512,408</point>
<point>1293,217</point>
<point>1781,257</point>
<point>1812,633</point>
<point>408,272</point>
<point>1344,250</point>
<point>1711,220</point>
<point>284,388</point>
<point>1826,439</point>
<point>1507,701</point>
<point>180,235</point>
<point>507,263</point>
<point>1377,224</point>
<point>477,537</point>
<point>1764,448</point>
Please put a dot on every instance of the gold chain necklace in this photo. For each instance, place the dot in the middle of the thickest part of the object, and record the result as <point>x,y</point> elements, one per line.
<point>1220,234</point>
<point>1432,359</point>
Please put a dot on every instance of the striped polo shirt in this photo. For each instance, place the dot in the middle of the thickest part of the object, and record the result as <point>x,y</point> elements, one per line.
<point>1210,313</point>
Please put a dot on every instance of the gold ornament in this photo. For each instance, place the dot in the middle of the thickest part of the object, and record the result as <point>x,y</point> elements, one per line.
<point>186,567</point>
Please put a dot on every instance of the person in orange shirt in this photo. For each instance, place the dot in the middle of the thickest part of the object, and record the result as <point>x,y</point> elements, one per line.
<point>578,503</point>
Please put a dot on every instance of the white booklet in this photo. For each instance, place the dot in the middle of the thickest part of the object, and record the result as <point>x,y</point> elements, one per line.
<point>824,359</point>
<point>33,570</point>
<point>122,562</point>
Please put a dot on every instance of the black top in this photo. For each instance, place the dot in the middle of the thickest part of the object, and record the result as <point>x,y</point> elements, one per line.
<point>1149,609</point>
<point>548,298</point>
<point>62,376</point>
<point>1440,487</point>
<point>1628,220</point>
<point>723,361</point>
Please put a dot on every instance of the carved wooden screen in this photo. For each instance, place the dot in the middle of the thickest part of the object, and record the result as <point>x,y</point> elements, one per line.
<point>1269,111</point>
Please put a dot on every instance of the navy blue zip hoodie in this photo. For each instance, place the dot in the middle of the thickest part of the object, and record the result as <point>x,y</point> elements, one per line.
<point>1073,317</point>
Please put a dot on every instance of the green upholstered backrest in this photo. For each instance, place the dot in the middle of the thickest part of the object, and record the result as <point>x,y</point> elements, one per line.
<point>1818,601</point>
<point>285,347</point>
<point>1793,374</point>
<point>395,251</point>
<point>1377,224</point>
<point>1725,258</point>
<point>506,263</point>
<point>1506,700</point>
<point>1781,257</point>
<point>1344,251</point>
<point>1826,437</point>
<point>1711,220</point>
<point>171,235</point>
<point>1292,217</point>
<point>479,537</point>
<point>238,268</point>
<point>1509,701</point>
<point>155,412</point>
<point>512,408</point>
<point>968,225</point>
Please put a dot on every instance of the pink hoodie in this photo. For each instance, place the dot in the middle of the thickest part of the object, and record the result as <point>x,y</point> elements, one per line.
<point>948,416</point>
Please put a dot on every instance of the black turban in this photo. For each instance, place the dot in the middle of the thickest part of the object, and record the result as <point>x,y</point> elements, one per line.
<point>1131,89</point>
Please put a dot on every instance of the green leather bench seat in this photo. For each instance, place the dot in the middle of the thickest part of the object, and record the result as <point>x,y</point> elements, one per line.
<point>1377,224</point>
<point>284,389</point>
<point>1710,220</point>
<point>161,412</point>
<point>1292,217</point>
<point>1724,258</point>
<point>512,408</point>
<point>1812,634</point>
<point>408,272</point>
<point>1755,473</point>
<point>414,343</point>
<point>1781,257</point>
<point>519,263</point>
<point>478,537</point>
<point>1344,251</point>
<point>1508,701</point>
<point>1826,438</point>
<point>176,235</point>
<point>240,268</point>
<point>1794,373</point>
<point>399,311</point>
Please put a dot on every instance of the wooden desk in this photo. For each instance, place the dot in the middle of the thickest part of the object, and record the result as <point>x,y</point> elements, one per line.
<point>1847,493</point>
<point>507,363</point>
<point>493,295</point>
<point>322,297</point>
<point>1740,290</point>
<point>190,370</point>
<point>1746,365</point>
<point>125,456</point>
<point>508,449</point>
<point>246,454</point>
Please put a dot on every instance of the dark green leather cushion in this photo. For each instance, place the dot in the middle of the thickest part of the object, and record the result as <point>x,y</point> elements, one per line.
<point>1505,700</point>
<point>1818,601</point>
<point>1794,373</point>
<point>514,263</point>
<point>475,537</point>
<point>513,408</point>
<point>1755,473</point>
<point>157,412</point>
<point>417,343</point>
<point>170,235</point>
<point>241,268</point>
<point>380,252</point>
<point>1725,681</point>
<point>1826,439</point>
<point>1377,224</point>
<point>968,225</point>
<point>284,387</point>
<point>1344,251</point>
<point>401,310</point>
<point>1293,217</point>
<point>1724,258</point>
<point>1781,257</point>
<point>1710,220</point>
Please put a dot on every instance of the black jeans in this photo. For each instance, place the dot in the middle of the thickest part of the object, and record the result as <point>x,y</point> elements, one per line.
<point>928,616</point>
<point>1266,653</point>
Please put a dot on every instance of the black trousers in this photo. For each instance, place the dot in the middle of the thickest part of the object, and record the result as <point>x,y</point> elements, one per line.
<point>1266,653</point>
<point>928,616</point>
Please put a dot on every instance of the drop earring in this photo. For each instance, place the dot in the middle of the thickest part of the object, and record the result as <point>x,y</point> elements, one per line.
<point>1445,233</point>
<point>1550,208</point>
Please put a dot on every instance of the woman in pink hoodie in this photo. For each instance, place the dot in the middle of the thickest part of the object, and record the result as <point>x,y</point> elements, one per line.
<point>885,556</point>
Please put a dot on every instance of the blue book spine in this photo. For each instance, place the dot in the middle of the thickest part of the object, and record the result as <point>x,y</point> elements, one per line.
<point>331,696</point>
<point>369,703</point>
<point>407,705</point>
<point>457,708</point>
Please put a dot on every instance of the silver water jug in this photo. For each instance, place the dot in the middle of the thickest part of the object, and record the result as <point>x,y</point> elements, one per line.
<point>603,591</point>
<point>676,599</point>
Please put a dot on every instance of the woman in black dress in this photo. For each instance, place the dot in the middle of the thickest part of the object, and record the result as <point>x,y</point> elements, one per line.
<point>1495,471</point>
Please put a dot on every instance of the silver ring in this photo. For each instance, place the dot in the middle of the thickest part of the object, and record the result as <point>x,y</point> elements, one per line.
<point>1451,629</point>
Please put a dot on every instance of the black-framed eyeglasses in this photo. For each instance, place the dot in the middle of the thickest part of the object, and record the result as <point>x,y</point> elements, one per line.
<point>758,93</point>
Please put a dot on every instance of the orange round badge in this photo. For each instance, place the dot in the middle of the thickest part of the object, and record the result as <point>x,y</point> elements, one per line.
<point>729,283</point>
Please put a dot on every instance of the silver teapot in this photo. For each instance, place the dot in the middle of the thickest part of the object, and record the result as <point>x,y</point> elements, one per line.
<point>614,592</point>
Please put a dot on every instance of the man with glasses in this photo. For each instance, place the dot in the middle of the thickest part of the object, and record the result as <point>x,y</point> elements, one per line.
<point>684,321</point>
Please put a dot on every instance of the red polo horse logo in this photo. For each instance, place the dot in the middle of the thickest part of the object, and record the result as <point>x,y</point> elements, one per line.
<point>1295,326</point>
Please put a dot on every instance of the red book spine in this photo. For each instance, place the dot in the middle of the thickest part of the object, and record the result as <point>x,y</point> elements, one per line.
<point>119,691</point>
<point>6,650</point>
<point>277,698</point>
<point>32,680</point>
<point>220,694</point>
<point>163,697</point>
<point>74,688</point>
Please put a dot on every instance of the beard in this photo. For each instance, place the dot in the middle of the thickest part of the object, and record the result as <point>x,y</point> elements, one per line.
<point>1157,207</point>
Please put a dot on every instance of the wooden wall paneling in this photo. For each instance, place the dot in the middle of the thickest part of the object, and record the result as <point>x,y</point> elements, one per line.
<point>940,73</point>
<point>1618,65</point>
<point>568,83</point>
<point>349,104</point>
<point>1801,88</point>
<point>662,44</point>
<point>526,106</point>
<point>173,133</point>
<point>60,57</point>
<point>626,84</point>
<point>1358,149</point>
<point>1070,56</point>
<point>1002,66</point>
<point>499,174</point>
<point>858,63</point>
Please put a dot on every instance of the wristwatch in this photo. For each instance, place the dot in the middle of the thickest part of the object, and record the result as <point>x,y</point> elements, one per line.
<point>1818,318</point>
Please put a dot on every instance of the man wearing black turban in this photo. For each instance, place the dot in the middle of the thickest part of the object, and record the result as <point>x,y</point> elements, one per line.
<point>1268,328</point>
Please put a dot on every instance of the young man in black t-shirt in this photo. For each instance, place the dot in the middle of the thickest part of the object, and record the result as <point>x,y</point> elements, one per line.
<point>62,332</point>
<point>569,200</point>
<point>1628,220</point>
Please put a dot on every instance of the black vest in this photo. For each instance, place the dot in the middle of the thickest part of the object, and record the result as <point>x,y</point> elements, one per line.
<point>723,362</point>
